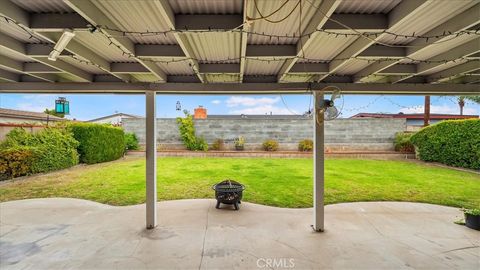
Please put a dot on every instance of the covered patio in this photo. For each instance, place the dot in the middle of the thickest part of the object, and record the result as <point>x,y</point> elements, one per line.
<point>192,234</point>
<point>311,47</point>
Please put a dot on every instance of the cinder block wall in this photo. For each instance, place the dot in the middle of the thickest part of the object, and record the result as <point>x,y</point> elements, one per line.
<point>340,134</point>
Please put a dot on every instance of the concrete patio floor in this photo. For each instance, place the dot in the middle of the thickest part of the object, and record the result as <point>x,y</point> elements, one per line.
<point>79,234</point>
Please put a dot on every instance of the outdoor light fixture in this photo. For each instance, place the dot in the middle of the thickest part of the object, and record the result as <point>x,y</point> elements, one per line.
<point>62,106</point>
<point>179,106</point>
<point>61,44</point>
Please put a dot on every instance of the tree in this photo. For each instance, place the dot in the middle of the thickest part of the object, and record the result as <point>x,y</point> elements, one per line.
<point>54,113</point>
<point>461,101</point>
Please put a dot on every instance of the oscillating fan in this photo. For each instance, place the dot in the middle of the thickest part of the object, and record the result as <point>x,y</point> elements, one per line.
<point>330,108</point>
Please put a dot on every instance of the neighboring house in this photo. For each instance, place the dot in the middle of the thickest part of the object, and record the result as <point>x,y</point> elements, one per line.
<point>26,117</point>
<point>114,119</point>
<point>415,120</point>
<point>30,121</point>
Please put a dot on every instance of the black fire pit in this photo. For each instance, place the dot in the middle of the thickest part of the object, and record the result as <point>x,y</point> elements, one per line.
<point>228,192</point>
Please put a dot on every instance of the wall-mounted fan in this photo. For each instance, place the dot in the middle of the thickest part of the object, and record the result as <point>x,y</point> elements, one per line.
<point>331,108</point>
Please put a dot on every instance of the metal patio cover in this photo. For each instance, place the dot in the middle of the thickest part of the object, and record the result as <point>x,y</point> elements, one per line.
<point>226,46</point>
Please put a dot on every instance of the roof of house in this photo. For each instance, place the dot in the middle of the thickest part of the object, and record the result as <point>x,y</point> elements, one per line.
<point>115,115</point>
<point>40,116</point>
<point>413,116</point>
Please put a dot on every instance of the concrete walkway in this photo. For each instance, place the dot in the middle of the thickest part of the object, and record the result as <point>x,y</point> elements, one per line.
<point>78,234</point>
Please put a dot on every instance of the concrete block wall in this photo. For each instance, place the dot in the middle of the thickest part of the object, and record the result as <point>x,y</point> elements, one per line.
<point>340,135</point>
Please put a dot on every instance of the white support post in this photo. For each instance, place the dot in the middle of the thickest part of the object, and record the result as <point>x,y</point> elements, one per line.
<point>151,156</point>
<point>318,167</point>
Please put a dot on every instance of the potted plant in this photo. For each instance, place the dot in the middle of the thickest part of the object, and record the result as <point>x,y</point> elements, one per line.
<point>472,218</point>
<point>239,143</point>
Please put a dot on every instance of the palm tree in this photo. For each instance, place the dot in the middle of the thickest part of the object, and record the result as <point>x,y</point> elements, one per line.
<point>461,101</point>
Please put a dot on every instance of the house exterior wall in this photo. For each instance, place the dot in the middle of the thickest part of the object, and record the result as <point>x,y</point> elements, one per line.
<point>17,120</point>
<point>340,135</point>
<point>114,120</point>
<point>6,128</point>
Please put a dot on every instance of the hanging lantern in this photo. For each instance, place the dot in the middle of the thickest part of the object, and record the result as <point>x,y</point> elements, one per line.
<point>179,106</point>
<point>62,106</point>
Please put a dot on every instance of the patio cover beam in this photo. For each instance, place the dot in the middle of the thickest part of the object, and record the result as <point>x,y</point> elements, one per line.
<point>244,88</point>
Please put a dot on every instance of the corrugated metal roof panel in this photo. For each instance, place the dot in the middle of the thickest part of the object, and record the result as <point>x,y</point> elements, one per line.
<point>141,16</point>
<point>260,67</point>
<point>445,66</point>
<point>18,33</point>
<point>366,6</point>
<point>427,18</point>
<point>207,6</point>
<point>435,49</point>
<point>15,56</point>
<point>177,68</point>
<point>326,47</point>
<point>353,66</point>
<point>210,47</point>
<point>222,78</point>
<point>39,6</point>
<point>89,68</point>
<point>289,26</point>
<point>98,43</point>
<point>67,77</point>
<point>144,77</point>
<point>298,77</point>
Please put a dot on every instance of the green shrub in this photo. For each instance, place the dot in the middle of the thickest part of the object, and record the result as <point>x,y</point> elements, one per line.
<point>187,133</point>
<point>24,153</point>
<point>270,145</point>
<point>402,142</point>
<point>218,144</point>
<point>305,145</point>
<point>455,143</point>
<point>239,143</point>
<point>16,161</point>
<point>98,143</point>
<point>131,141</point>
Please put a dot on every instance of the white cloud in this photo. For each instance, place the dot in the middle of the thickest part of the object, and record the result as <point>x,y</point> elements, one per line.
<point>263,109</point>
<point>445,109</point>
<point>236,101</point>
<point>216,101</point>
<point>36,102</point>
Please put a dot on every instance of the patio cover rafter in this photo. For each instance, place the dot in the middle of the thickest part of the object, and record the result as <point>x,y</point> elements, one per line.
<point>92,14</point>
<point>460,22</point>
<point>401,13</point>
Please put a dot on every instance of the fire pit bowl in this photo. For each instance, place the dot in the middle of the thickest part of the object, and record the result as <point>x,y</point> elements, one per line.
<point>228,192</point>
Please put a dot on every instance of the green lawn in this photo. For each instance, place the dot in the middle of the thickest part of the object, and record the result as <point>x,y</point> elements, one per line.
<point>269,181</point>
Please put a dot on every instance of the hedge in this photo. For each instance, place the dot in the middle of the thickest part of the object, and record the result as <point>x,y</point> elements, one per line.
<point>454,143</point>
<point>402,142</point>
<point>24,153</point>
<point>98,143</point>
<point>131,141</point>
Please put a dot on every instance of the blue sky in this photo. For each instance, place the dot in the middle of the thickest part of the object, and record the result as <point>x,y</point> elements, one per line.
<point>89,106</point>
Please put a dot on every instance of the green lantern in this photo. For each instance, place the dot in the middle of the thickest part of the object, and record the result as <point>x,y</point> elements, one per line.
<point>62,106</point>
